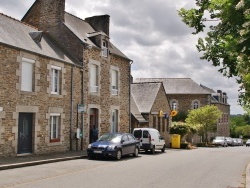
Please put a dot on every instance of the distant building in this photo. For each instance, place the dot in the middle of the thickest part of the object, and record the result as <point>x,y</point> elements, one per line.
<point>150,107</point>
<point>184,94</point>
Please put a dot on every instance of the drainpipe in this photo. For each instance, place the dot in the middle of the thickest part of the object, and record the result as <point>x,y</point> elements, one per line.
<point>131,62</point>
<point>72,108</point>
<point>82,101</point>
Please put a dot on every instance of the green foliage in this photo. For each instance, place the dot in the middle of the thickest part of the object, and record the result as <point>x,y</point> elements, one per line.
<point>179,128</point>
<point>181,116</point>
<point>236,122</point>
<point>204,119</point>
<point>243,131</point>
<point>227,44</point>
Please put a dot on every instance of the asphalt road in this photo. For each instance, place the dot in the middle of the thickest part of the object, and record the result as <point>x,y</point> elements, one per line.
<point>197,168</point>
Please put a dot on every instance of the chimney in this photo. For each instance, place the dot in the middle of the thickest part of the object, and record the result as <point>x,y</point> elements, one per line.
<point>100,23</point>
<point>46,14</point>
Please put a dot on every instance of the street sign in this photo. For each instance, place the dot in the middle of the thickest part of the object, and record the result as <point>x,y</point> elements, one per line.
<point>81,108</point>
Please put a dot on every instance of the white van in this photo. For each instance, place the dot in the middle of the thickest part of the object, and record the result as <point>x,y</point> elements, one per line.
<point>150,139</point>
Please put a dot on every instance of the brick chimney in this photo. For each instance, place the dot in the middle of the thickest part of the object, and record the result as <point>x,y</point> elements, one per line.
<point>46,14</point>
<point>100,23</point>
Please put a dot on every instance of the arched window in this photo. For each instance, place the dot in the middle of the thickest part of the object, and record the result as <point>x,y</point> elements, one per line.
<point>195,104</point>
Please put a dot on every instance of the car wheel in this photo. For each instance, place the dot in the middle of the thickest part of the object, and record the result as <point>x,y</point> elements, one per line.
<point>153,150</point>
<point>118,154</point>
<point>163,149</point>
<point>136,152</point>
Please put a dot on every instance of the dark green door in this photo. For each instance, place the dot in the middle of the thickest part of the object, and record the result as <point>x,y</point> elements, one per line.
<point>25,133</point>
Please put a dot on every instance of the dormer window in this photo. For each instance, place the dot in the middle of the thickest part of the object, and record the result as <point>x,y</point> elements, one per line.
<point>104,49</point>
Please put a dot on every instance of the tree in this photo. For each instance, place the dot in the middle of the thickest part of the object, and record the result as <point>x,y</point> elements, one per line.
<point>181,116</point>
<point>180,128</point>
<point>204,119</point>
<point>227,43</point>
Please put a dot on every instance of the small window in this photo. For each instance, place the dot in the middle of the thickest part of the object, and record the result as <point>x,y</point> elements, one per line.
<point>104,49</point>
<point>130,137</point>
<point>55,80</point>
<point>174,105</point>
<point>114,82</point>
<point>54,127</point>
<point>196,105</point>
<point>145,134</point>
<point>125,138</point>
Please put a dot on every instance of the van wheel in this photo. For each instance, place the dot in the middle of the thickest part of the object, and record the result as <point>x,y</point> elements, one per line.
<point>153,150</point>
<point>136,152</point>
<point>119,154</point>
<point>163,149</point>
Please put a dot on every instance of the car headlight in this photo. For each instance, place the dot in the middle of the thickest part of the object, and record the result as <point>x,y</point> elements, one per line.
<point>89,146</point>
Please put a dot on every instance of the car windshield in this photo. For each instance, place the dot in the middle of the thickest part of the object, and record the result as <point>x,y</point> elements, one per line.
<point>111,137</point>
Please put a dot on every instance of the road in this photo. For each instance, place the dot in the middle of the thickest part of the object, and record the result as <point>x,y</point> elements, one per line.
<point>197,168</point>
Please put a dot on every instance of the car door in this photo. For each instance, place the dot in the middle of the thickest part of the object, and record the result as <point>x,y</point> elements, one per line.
<point>132,143</point>
<point>125,144</point>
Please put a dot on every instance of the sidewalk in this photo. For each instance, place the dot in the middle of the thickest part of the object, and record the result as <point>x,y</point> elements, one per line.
<point>33,159</point>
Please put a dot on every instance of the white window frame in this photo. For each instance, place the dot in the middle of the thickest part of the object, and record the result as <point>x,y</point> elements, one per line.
<point>104,49</point>
<point>27,78</point>
<point>195,104</point>
<point>174,107</point>
<point>55,85</point>
<point>114,82</point>
<point>55,126</point>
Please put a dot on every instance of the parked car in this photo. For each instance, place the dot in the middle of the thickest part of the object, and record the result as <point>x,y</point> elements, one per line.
<point>114,145</point>
<point>229,141</point>
<point>150,139</point>
<point>248,142</point>
<point>220,141</point>
<point>240,141</point>
<point>235,142</point>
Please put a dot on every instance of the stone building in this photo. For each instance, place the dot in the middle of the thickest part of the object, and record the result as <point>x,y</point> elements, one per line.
<point>60,75</point>
<point>35,90</point>
<point>150,107</point>
<point>184,94</point>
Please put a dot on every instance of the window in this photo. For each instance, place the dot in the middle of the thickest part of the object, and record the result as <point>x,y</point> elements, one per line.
<point>195,104</point>
<point>114,82</point>
<point>104,49</point>
<point>114,126</point>
<point>94,78</point>
<point>54,127</point>
<point>174,105</point>
<point>55,80</point>
<point>27,80</point>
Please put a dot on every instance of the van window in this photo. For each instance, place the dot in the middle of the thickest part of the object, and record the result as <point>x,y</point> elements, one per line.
<point>137,133</point>
<point>145,134</point>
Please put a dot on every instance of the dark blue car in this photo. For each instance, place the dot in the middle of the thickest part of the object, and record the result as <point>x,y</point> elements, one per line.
<point>114,145</point>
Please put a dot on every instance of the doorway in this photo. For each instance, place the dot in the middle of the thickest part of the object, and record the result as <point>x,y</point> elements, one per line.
<point>25,124</point>
<point>93,121</point>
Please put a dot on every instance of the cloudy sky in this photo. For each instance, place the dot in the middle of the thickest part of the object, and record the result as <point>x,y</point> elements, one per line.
<point>151,34</point>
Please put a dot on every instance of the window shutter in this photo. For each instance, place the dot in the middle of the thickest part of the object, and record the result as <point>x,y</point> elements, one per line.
<point>27,76</point>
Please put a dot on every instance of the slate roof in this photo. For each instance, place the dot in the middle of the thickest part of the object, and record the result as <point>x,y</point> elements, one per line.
<point>144,95</point>
<point>135,111</point>
<point>19,35</point>
<point>83,31</point>
<point>177,85</point>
